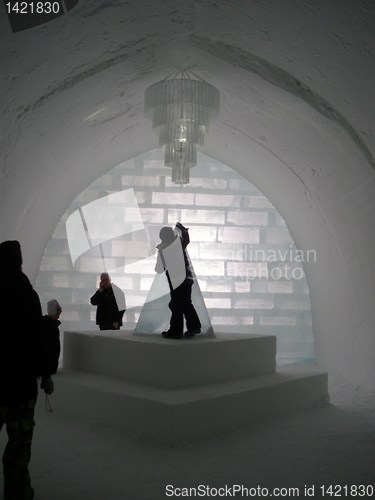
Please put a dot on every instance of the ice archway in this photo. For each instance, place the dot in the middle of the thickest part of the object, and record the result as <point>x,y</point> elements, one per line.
<point>249,270</point>
<point>296,120</point>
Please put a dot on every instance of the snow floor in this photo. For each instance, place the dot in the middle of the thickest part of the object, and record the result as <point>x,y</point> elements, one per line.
<point>80,459</point>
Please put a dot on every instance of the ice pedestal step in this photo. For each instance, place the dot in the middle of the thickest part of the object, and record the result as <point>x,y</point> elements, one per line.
<point>179,390</point>
<point>169,363</point>
<point>172,416</point>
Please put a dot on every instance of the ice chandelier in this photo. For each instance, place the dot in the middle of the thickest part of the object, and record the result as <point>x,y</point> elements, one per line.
<point>181,109</point>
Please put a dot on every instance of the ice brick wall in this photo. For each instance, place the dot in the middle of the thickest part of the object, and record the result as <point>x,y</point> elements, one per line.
<point>249,270</point>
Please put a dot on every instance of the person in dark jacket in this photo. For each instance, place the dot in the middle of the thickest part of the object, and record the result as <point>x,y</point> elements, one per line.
<point>20,365</point>
<point>110,302</point>
<point>172,259</point>
<point>51,343</point>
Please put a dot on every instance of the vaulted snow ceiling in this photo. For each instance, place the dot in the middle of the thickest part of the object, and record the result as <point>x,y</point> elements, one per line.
<point>297,117</point>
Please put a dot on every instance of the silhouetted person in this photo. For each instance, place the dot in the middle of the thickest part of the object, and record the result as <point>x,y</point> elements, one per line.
<point>110,302</point>
<point>20,364</point>
<point>51,343</point>
<point>172,259</point>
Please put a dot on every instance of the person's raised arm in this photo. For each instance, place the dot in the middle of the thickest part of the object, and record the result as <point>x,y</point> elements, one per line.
<point>185,238</point>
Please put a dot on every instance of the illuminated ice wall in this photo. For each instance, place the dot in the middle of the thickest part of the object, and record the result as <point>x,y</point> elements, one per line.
<point>249,270</point>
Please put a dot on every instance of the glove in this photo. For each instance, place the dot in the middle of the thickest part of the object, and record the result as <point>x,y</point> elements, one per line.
<point>47,385</point>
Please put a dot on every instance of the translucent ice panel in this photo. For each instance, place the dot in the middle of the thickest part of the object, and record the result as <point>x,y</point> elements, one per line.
<point>77,239</point>
<point>101,220</point>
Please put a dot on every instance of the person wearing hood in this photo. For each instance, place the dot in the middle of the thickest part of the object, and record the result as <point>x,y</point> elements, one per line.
<point>20,365</point>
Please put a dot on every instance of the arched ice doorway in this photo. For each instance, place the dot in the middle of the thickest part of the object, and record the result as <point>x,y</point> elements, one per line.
<point>249,270</point>
<point>304,157</point>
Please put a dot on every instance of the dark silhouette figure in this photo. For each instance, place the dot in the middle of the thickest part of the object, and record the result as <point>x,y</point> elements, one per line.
<point>172,259</point>
<point>51,343</point>
<point>110,302</point>
<point>21,362</point>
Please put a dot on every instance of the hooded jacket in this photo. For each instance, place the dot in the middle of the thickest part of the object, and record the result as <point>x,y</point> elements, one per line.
<point>20,338</point>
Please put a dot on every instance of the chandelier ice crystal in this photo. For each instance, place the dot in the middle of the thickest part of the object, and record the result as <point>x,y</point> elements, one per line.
<point>181,109</point>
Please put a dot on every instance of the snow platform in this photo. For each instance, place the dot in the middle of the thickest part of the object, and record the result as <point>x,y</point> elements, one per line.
<point>176,391</point>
